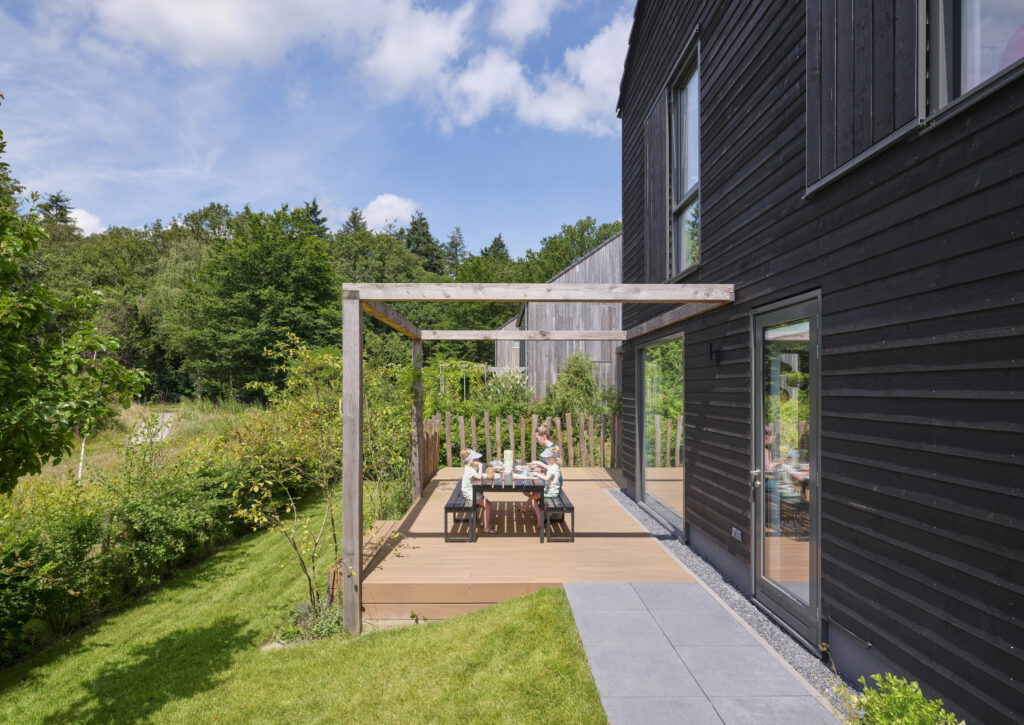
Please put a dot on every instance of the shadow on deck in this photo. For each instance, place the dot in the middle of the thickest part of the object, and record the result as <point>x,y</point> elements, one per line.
<point>411,571</point>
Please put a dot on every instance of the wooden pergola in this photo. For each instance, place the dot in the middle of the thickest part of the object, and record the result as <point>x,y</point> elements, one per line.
<point>691,300</point>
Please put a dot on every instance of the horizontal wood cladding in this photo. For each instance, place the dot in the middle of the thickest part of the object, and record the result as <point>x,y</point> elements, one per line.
<point>918,258</point>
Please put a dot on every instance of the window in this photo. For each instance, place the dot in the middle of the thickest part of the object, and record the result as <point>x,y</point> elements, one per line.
<point>684,243</point>
<point>970,41</point>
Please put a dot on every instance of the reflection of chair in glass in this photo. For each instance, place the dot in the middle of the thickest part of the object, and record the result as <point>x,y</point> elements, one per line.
<point>793,509</point>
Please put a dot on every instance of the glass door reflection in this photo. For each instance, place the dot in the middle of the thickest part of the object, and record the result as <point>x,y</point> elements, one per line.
<point>663,427</point>
<point>786,420</point>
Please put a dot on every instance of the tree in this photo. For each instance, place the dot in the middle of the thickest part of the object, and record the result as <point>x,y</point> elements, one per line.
<point>271,275</point>
<point>355,222</point>
<point>421,242</point>
<point>57,208</point>
<point>454,251</point>
<point>56,378</point>
<point>497,249</point>
<point>317,218</point>
<point>560,250</point>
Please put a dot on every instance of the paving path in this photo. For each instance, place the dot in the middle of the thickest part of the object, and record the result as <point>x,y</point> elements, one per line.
<point>672,653</point>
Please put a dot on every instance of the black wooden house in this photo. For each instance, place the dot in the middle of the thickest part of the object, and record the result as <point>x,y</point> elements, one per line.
<point>854,422</point>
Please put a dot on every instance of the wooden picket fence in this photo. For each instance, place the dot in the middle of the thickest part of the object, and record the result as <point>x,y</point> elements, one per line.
<point>667,443</point>
<point>431,449</point>
<point>585,440</point>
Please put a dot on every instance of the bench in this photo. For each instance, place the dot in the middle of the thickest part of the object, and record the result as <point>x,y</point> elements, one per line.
<point>551,510</point>
<point>457,503</point>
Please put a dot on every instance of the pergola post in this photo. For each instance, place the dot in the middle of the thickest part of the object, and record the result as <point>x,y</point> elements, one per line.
<point>352,461</point>
<point>417,420</point>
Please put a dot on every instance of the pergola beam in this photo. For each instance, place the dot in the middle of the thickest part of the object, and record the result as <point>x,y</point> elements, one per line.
<point>487,292</point>
<point>671,317</point>
<point>538,335</point>
<point>390,317</point>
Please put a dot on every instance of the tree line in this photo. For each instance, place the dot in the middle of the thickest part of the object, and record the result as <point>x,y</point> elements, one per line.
<point>196,302</point>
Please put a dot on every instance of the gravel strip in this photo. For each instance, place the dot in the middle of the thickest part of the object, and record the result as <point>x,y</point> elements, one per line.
<point>812,668</point>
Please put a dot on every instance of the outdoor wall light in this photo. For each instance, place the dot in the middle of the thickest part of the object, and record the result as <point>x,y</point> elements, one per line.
<point>714,355</point>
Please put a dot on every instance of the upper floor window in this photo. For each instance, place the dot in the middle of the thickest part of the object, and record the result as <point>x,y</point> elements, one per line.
<point>684,245</point>
<point>969,41</point>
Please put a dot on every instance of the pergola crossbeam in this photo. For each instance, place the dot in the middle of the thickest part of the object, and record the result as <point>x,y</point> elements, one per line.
<point>537,335</point>
<point>487,292</point>
<point>390,317</point>
<point>677,314</point>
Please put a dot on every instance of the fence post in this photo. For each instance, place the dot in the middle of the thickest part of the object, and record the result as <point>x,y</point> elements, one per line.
<point>522,439</point>
<point>558,427</point>
<point>497,437</point>
<point>601,439</point>
<point>462,434</point>
<point>448,438</point>
<point>568,436</point>
<point>487,435</point>
<point>679,441</point>
<point>512,436</point>
<point>657,440</point>
<point>592,442</point>
<point>533,437</point>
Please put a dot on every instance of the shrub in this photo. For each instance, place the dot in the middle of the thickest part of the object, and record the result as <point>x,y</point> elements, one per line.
<point>506,393</point>
<point>576,390</point>
<point>894,701</point>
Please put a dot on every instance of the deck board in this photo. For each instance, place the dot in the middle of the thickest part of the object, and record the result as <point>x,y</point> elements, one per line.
<point>422,574</point>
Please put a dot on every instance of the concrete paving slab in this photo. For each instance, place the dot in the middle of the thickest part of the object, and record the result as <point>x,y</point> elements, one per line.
<point>703,627</point>
<point>602,595</point>
<point>625,628</point>
<point>675,596</point>
<point>641,672</point>
<point>759,710</point>
<point>746,670</point>
<point>660,711</point>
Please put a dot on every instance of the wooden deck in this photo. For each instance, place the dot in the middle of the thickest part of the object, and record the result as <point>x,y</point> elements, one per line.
<point>416,572</point>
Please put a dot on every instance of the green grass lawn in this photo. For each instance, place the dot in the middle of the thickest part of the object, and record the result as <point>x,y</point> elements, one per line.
<point>190,653</point>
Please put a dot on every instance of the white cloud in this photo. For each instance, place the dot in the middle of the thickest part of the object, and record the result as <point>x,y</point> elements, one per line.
<point>517,20</point>
<point>87,221</point>
<point>402,48</point>
<point>583,95</point>
<point>388,209</point>
<point>411,47</point>
<point>578,97</point>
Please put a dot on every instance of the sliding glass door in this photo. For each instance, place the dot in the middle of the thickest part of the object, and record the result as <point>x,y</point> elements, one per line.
<point>662,439</point>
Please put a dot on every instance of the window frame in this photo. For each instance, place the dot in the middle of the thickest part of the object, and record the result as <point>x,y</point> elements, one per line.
<point>942,61</point>
<point>687,70</point>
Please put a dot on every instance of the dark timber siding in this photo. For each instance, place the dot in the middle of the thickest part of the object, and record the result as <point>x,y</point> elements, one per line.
<point>858,88</point>
<point>918,257</point>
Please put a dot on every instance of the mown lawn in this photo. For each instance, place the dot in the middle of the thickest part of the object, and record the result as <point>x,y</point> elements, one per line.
<point>190,653</point>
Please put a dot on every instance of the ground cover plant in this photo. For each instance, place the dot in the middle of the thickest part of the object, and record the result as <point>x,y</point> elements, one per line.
<point>190,652</point>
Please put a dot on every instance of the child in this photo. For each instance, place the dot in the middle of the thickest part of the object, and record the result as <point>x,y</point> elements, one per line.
<point>471,471</point>
<point>552,481</point>
<point>543,437</point>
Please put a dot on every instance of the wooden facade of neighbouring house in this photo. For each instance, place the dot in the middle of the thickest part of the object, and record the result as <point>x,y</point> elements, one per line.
<point>543,360</point>
<point>854,422</point>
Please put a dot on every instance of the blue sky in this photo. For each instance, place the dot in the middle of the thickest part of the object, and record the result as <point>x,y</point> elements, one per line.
<point>494,115</point>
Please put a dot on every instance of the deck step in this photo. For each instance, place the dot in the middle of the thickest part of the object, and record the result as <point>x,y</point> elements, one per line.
<point>439,600</point>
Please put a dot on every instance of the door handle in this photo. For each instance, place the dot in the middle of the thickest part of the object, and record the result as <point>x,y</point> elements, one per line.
<point>755,477</point>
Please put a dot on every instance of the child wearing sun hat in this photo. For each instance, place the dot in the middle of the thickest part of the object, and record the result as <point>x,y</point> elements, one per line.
<point>552,480</point>
<point>471,472</point>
